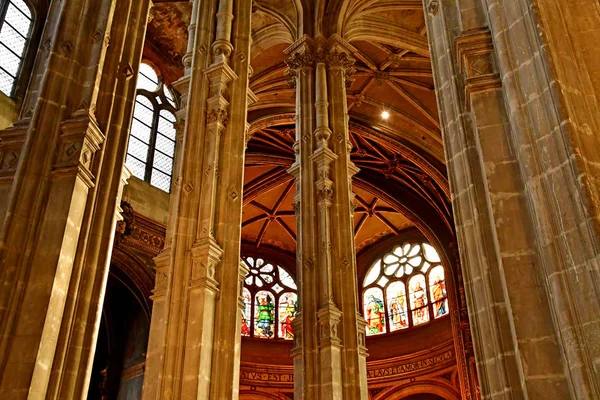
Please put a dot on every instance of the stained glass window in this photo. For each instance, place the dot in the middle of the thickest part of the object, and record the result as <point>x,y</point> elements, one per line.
<point>151,150</point>
<point>270,300</point>
<point>15,28</point>
<point>406,287</point>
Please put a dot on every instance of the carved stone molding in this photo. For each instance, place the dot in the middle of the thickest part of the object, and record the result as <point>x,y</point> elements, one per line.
<point>79,141</point>
<point>11,142</point>
<point>475,56</point>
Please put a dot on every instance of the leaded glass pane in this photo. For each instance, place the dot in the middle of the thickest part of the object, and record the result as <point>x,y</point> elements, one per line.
<point>20,4</point>
<point>165,124</point>
<point>138,149</point>
<point>437,288</point>
<point>8,60</point>
<point>275,300</point>
<point>160,180</point>
<point>286,279</point>
<point>374,311</point>
<point>165,145</point>
<point>137,168</point>
<point>147,78</point>
<point>418,299</point>
<point>246,312</point>
<point>6,81</point>
<point>396,300</point>
<point>163,163</point>
<point>14,40</point>
<point>144,110</point>
<point>168,95</point>
<point>430,254</point>
<point>373,273</point>
<point>264,315</point>
<point>411,297</point>
<point>288,307</point>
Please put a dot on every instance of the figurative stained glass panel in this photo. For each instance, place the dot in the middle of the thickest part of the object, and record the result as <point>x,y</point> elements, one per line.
<point>397,307</point>
<point>418,299</point>
<point>437,287</point>
<point>275,303</point>
<point>264,315</point>
<point>14,34</point>
<point>288,307</point>
<point>374,311</point>
<point>246,312</point>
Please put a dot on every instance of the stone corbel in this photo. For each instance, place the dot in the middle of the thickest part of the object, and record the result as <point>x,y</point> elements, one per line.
<point>475,57</point>
<point>79,141</point>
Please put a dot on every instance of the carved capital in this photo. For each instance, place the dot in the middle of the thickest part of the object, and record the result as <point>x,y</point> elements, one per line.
<point>217,115</point>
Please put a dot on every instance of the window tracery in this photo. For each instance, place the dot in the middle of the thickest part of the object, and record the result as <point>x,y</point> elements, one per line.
<point>270,300</point>
<point>16,22</point>
<point>151,149</point>
<point>404,288</point>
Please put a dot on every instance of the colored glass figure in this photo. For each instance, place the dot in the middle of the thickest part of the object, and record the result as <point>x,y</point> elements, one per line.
<point>396,300</point>
<point>288,307</point>
<point>418,297</point>
<point>438,291</point>
<point>246,312</point>
<point>374,311</point>
<point>265,315</point>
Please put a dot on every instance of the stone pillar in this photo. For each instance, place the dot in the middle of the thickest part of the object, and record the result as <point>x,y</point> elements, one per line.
<point>329,354</point>
<point>59,214</point>
<point>523,203</point>
<point>195,340</point>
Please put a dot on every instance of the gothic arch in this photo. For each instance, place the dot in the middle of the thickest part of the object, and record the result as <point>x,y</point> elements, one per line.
<point>437,387</point>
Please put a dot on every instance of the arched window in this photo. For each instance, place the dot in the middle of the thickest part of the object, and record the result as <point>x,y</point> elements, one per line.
<point>15,30</point>
<point>270,300</point>
<point>404,288</point>
<point>151,150</point>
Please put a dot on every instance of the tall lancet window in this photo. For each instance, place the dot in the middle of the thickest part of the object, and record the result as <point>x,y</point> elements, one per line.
<point>404,288</point>
<point>16,22</point>
<point>151,150</point>
<point>270,300</point>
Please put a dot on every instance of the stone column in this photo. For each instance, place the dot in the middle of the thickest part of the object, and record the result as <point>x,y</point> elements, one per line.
<point>194,344</point>
<point>59,214</point>
<point>329,354</point>
<point>525,216</point>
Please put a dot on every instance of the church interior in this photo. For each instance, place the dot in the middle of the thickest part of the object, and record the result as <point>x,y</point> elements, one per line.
<point>299,199</point>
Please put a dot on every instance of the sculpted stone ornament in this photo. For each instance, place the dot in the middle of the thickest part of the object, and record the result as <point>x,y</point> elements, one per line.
<point>219,115</point>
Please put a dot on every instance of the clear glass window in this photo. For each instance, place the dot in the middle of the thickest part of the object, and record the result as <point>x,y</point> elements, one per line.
<point>15,29</point>
<point>151,150</point>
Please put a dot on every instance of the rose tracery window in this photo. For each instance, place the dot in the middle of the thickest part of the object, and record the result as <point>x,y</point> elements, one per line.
<point>404,288</point>
<point>270,300</point>
<point>151,148</point>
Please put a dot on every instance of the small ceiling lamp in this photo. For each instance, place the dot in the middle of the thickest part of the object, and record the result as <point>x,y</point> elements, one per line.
<point>385,114</point>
